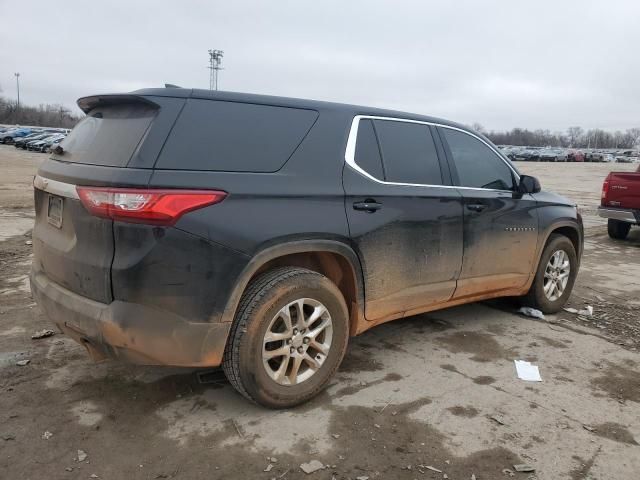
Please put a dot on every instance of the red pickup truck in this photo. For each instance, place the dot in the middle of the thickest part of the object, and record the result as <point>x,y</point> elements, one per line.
<point>621,202</point>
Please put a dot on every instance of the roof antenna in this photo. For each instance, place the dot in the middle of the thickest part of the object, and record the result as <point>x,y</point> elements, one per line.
<point>171,85</point>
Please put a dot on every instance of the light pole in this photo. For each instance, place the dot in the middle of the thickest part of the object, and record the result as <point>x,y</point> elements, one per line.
<point>17,74</point>
<point>215,60</point>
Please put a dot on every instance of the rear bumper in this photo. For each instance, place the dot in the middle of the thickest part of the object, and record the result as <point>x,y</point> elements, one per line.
<point>621,214</point>
<point>128,331</point>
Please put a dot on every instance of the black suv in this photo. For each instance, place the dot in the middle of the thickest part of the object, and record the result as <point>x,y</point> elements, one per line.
<point>198,228</point>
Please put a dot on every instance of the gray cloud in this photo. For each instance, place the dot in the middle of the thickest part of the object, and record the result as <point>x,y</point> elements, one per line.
<point>544,64</point>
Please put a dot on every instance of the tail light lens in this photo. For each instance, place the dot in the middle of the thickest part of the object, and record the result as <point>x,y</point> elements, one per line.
<point>605,191</point>
<point>149,206</point>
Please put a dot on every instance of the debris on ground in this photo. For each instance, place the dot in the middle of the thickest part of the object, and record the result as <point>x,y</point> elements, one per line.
<point>588,428</point>
<point>8,436</point>
<point>43,334</point>
<point>82,455</point>
<point>312,466</point>
<point>335,435</point>
<point>28,242</point>
<point>569,310</point>
<point>362,477</point>
<point>473,477</point>
<point>526,371</point>
<point>433,469</point>
<point>531,312</point>
<point>269,467</point>
<point>273,460</point>
<point>508,471</point>
<point>498,419</point>
<point>47,435</point>
<point>93,475</point>
<point>22,363</point>
<point>523,467</point>
<point>69,469</point>
<point>586,312</point>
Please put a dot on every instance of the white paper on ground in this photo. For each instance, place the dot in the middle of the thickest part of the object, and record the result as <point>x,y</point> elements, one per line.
<point>527,372</point>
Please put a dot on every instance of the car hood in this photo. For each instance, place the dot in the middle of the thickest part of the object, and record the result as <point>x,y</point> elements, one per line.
<point>553,198</point>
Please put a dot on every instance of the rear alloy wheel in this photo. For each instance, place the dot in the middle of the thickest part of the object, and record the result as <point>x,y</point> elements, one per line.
<point>555,276</point>
<point>617,229</point>
<point>288,338</point>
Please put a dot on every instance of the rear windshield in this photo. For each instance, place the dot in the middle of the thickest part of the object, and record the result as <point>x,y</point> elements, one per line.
<point>236,137</point>
<point>108,135</point>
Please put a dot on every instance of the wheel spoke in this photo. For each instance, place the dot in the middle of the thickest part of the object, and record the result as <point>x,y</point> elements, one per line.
<point>317,313</point>
<point>276,337</point>
<point>280,374</point>
<point>279,352</point>
<point>320,347</point>
<point>285,314</point>
<point>316,331</point>
<point>293,376</point>
<point>547,287</point>
<point>312,362</point>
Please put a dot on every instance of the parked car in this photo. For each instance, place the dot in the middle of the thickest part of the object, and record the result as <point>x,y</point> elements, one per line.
<point>620,202</point>
<point>553,155</point>
<point>628,156</point>
<point>38,145</point>
<point>10,135</point>
<point>46,143</point>
<point>528,155</point>
<point>575,156</point>
<point>221,228</point>
<point>22,142</point>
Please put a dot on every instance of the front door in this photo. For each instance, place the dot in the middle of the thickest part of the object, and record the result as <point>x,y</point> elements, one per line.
<point>500,224</point>
<point>405,222</point>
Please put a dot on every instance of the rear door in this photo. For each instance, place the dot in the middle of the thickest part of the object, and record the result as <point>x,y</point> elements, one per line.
<point>500,225</point>
<point>404,217</point>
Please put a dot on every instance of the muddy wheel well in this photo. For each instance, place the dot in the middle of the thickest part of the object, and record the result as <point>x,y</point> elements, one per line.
<point>333,266</point>
<point>571,234</point>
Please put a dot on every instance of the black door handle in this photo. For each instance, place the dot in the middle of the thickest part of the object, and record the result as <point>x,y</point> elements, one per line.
<point>476,207</point>
<point>367,206</point>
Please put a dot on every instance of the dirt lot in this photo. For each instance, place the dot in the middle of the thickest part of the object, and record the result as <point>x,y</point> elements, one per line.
<point>433,396</point>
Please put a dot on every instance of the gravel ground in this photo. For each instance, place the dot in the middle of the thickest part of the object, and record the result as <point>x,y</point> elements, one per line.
<point>433,396</point>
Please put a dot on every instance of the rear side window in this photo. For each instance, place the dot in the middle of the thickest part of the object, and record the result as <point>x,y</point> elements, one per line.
<point>236,137</point>
<point>408,152</point>
<point>367,154</point>
<point>108,135</point>
<point>478,166</point>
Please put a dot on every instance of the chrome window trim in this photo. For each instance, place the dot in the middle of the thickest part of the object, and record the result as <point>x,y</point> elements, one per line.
<point>55,187</point>
<point>350,152</point>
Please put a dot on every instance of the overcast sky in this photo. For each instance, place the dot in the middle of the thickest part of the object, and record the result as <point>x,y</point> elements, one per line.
<point>535,64</point>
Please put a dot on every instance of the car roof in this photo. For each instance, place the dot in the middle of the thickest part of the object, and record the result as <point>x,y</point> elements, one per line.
<point>85,103</point>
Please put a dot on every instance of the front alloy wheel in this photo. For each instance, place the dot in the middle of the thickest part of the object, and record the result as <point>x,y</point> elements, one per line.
<point>556,275</point>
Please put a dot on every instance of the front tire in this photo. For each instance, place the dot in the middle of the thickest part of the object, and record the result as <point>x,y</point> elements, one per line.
<point>618,230</point>
<point>288,338</point>
<point>555,275</point>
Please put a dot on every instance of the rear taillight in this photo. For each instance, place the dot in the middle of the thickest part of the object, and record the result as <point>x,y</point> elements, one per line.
<point>605,191</point>
<point>150,206</point>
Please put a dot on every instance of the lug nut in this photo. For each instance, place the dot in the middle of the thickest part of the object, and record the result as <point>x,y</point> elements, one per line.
<point>300,349</point>
<point>289,341</point>
<point>306,340</point>
<point>295,331</point>
<point>291,350</point>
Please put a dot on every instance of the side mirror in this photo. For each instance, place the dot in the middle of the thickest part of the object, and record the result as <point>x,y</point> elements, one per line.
<point>529,184</point>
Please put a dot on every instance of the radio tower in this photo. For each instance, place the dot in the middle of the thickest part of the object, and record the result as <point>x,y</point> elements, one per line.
<point>215,60</point>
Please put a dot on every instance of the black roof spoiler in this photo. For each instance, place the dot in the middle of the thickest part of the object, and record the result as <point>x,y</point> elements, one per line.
<point>87,104</point>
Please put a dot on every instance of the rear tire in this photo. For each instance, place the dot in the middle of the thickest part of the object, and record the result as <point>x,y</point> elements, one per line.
<point>282,303</point>
<point>542,295</point>
<point>617,229</point>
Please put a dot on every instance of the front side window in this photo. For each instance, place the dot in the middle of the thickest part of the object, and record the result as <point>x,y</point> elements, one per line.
<point>408,152</point>
<point>478,166</point>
